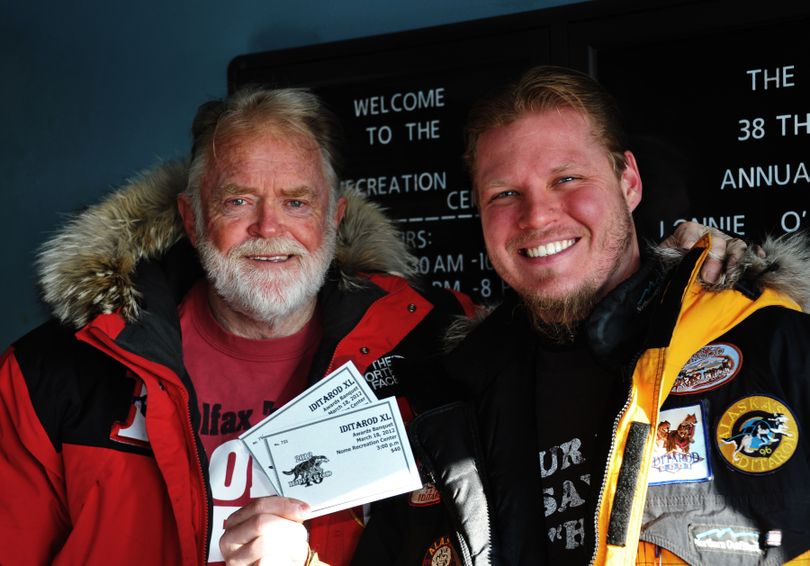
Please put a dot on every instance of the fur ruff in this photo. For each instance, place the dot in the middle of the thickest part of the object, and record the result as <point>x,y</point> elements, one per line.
<point>785,268</point>
<point>86,268</point>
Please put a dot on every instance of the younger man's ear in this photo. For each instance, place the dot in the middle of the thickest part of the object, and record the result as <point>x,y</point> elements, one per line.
<point>631,181</point>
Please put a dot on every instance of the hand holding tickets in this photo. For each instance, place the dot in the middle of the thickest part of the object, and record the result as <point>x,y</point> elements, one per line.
<point>335,446</point>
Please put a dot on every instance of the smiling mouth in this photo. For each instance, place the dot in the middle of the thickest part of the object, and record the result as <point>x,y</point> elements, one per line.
<point>545,250</point>
<point>270,258</point>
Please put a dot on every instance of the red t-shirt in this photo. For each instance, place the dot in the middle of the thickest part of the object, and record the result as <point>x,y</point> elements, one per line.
<point>238,382</point>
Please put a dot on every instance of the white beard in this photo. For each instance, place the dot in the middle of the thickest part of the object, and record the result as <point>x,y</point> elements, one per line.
<point>266,296</point>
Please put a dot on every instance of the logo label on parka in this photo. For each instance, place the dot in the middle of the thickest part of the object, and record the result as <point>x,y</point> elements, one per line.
<point>733,540</point>
<point>425,497</point>
<point>133,430</point>
<point>380,374</point>
<point>441,553</point>
<point>757,434</point>
<point>709,368</point>
<point>308,470</point>
<point>680,453</point>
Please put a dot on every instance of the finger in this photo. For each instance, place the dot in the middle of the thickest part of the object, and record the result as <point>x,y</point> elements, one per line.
<point>670,242</point>
<point>713,267</point>
<point>735,250</point>
<point>720,243</point>
<point>260,552</point>
<point>760,252</point>
<point>712,270</point>
<point>686,235</point>
<point>287,548</point>
<point>266,538</point>
<point>293,509</point>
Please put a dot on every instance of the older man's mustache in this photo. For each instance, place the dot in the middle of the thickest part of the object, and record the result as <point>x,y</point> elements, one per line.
<point>268,247</point>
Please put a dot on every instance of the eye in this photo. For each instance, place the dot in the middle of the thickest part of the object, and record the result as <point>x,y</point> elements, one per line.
<point>296,203</point>
<point>566,179</point>
<point>238,201</point>
<point>504,194</point>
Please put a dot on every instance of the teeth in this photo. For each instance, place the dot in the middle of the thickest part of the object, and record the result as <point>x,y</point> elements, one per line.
<point>272,258</point>
<point>549,249</point>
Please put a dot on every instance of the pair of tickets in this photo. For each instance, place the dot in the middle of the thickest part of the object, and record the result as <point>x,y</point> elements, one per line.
<point>335,445</point>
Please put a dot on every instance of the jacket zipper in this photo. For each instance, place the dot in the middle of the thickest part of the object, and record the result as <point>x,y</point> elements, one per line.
<point>109,343</point>
<point>462,544</point>
<point>609,458</point>
<point>201,477</point>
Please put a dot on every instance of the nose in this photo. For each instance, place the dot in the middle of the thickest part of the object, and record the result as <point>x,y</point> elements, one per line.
<point>267,221</point>
<point>538,210</point>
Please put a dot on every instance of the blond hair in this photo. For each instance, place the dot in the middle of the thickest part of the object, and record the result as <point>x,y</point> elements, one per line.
<point>547,88</point>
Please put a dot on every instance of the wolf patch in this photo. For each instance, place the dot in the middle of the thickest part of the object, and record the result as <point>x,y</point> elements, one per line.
<point>757,435</point>
<point>441,553</point>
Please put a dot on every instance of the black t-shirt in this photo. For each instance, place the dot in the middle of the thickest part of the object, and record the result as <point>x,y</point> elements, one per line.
<point>573,393</point>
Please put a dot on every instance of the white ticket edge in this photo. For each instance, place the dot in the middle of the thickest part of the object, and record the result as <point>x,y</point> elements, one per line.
<point>412,481</point>
<point>297,411</point>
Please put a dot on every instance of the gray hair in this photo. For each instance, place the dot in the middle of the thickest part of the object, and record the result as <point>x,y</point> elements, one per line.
<point>293,111</point>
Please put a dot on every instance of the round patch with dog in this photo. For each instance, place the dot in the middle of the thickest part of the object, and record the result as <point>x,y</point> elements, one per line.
<point>757,434</point>
<point>709,368</point>
<point>441,553</point>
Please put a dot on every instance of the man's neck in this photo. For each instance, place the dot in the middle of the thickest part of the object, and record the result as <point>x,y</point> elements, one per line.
<point>240,324</point>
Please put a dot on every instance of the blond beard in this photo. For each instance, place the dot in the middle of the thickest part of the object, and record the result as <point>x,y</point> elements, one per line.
<point>261,296</point>
<point>558,318</point>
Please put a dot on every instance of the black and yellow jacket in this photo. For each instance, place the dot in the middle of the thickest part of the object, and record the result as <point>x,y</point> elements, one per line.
<point>743,355</point>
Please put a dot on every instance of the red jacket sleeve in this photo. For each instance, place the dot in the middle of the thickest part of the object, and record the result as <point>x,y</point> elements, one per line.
<point>33,517</point>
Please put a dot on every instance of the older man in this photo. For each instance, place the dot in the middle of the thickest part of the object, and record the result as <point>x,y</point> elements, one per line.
<point>119,443</point>
<point>617,408</point>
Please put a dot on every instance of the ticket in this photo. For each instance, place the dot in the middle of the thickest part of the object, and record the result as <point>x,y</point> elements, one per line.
<point>347,459</point>
<point>341,390</point>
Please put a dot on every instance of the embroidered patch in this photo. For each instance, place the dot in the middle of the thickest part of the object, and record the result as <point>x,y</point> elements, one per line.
<point>133,429</point>
<point>681,452</point>
<point>441,553</point>
<point>757,434</point>
<point>425,497</point>
<point>709,368</point>
<point>380,374</point>
<point>737,540</point>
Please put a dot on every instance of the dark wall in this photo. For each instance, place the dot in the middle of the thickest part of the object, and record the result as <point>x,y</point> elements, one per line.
<point>92,92</point>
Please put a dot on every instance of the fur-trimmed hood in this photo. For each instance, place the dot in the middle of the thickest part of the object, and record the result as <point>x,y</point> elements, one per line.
<point>785,267</point>
<point>86,268</point>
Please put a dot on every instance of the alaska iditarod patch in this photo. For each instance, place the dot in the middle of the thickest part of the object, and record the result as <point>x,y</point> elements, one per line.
<point>709,368</point>
<point>425,497</point>
<point>757,434</point>
<point>441,553</point>
<point>681,452</point>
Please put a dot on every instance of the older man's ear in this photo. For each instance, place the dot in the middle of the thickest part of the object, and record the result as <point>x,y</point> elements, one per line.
<point>186,210</point>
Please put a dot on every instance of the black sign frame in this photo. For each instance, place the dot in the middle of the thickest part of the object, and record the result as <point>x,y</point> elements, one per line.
<point>422,183</point>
